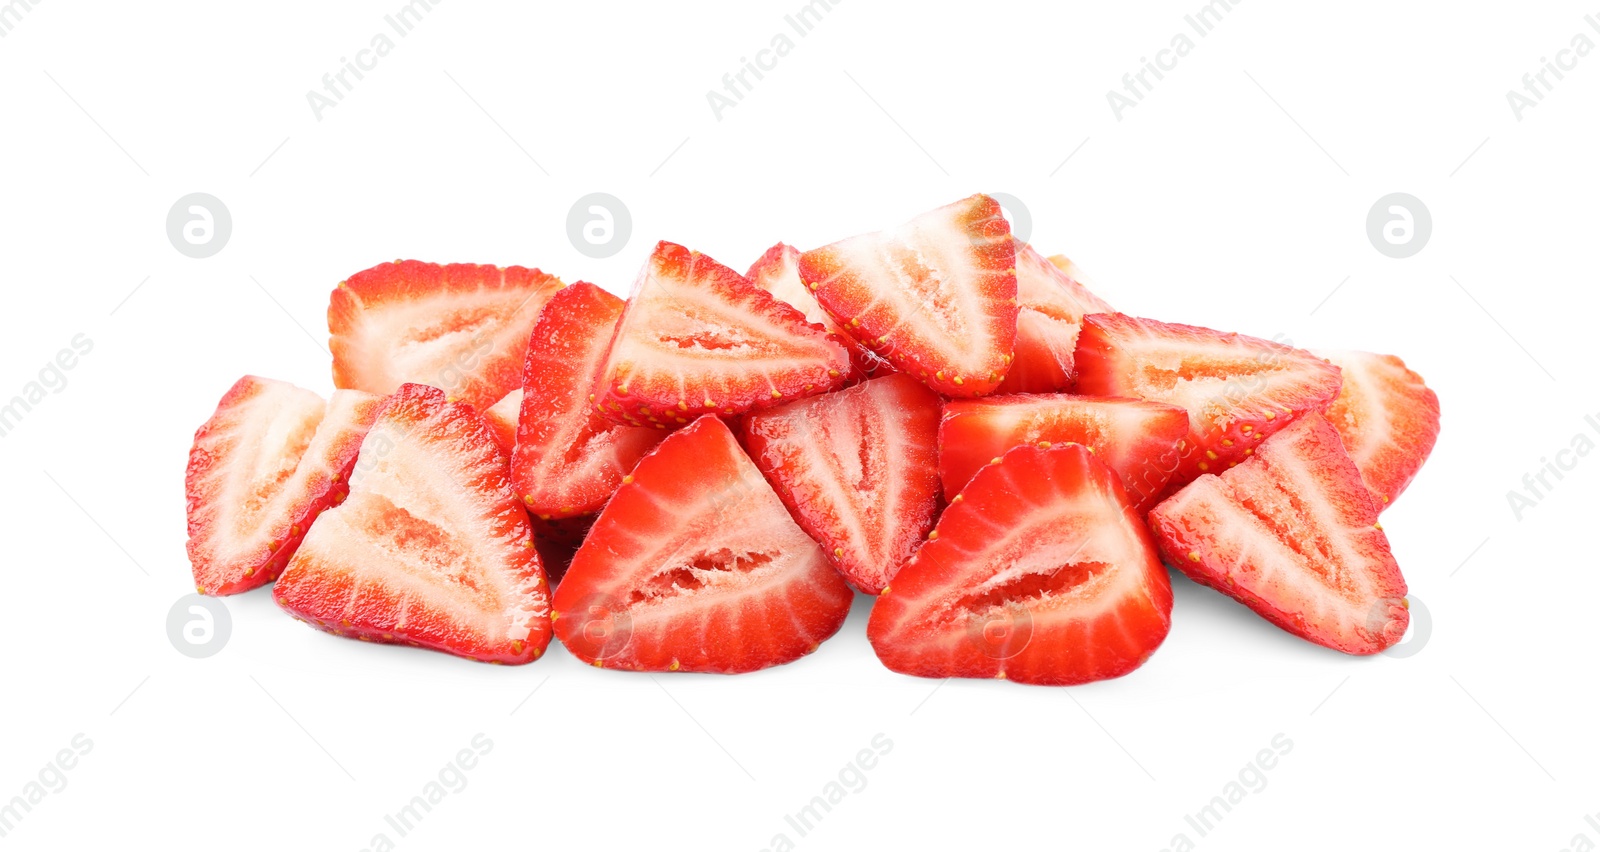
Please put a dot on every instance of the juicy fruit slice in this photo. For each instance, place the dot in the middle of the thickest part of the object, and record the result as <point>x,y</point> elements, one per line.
<point>1387,418</point>
<point>460,327</point>
<point>1039,572</point>
<point>502,418</point>
<point>1051,305</point>
<point>569,459</point>
<point>936,296</point>
<point>1293,534</point>
<point>431,548</point>
<point>270,459</point>
<point>778,273</point>
<point>857,470</point>
<point>697,337</point>
<point>696,566</point>
<point>1141,441</point>
<point>1238,390</point>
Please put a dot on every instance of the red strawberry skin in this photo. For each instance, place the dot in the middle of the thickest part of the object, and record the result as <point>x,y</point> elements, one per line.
<point>698,338</point>
<point>1293,534</point>
<point>857,470</point>
<point>460,327</point>
<point>778,273</point>
<point>1142,442</point>
<point>1039,572</point>
<point>695,565</point>
<point>1052,305</point>
<point>936,296</point>
<point>569,459</point>
<point>1238,390</point>
<point>1388,419</point>
<point>431,548</point>
<point>261,469</point>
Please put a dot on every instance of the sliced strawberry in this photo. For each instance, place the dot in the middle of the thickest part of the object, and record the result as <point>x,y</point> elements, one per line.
<point>1141,441</point>
<point>857,469</point>
<point>270,459</point>
<point>1238,390</point>
<point>696,566</point>
<point>697,337</point>
<point>1039,572</point>
<point>778,273</point>
<point>1051,309</point>
<point>557,541</point>
<point>1293,534</point>
<point>431,548</point>
<point>459,327</point>
<point>1388,419</point>
<point>936,296</point>
<point>502,417</point>
<point>569,459</point>
<point>1073,271</point>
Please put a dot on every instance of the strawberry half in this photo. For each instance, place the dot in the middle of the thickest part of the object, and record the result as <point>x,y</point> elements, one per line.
<point>778,273</point>
<point>460,327</point>
<point>1051,307</point>
<point>936,296</point>
<point>1141,441</point>
<point>1293,534</point>
<point>502,418</point>
<point>1238,390</point>
<point>1039,571</point>
<point>270,459</point>
<point>697,337</point>
<point>569,459</point>
<point>1388,419</point>
<point>431,548</point>
<point>695,565</point>
<point>857,469</point>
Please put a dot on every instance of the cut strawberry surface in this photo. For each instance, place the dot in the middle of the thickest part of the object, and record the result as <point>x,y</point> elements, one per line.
<point>697,337</point>
<point>1293,534</point>
<point>936,296</point>
<point>270,459</point>
<point>1388,419</point>
<point>1039,572</point>
<point>857,469</point>
<point>460,327</point>
<point>502,418</point>
<point>1141,441</point>
<point>778,273</point>
<point>1238,390</point>
<point>569,459</point>
<point>695,565</point>
<point>1051,305</point>
<point>431,548</point>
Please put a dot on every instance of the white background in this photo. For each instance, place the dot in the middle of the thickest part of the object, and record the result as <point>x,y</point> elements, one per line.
<point>1235,196</point>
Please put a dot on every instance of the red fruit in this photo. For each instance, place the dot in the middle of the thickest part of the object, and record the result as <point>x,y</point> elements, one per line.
<point>502,418</point>
<point>270,459</point>
<point>936,296</point>
<point>856,468</point>
<point>569,460</point>
<point>431,548</point>
<point>459,327</point>
<point>778,273</point>
<point>1238,390</point>
<point>697,337</point>
<point>696,566</point>
<point>557,541</point>
<point>1141,441</point>
<point>1293,534</point>
<point>1387,418</point>
<point>1052,305</point>
<point>1039,572</point>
